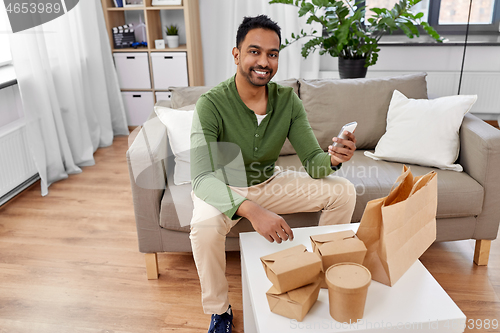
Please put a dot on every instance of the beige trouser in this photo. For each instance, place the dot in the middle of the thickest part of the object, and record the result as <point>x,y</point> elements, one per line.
<point>285,192</point>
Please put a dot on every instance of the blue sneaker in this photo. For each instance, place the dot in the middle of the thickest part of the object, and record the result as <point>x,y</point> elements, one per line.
<point>222,323</point>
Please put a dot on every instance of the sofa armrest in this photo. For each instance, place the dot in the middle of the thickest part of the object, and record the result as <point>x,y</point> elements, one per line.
<point>146,158</point>
<point>480,158</point>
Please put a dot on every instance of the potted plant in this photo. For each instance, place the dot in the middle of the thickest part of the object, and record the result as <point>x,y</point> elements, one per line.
<point>348,36</point>
<point>172,36</point>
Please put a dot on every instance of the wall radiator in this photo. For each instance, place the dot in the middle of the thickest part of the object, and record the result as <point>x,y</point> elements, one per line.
<point>17,169</point>
<point>485,85</point>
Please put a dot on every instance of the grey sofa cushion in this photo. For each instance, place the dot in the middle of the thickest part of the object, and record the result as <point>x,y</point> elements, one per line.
<point>182,96</point>
<point>368,100</point>
<point>177,209</point>
<point>294,83</point>
<point>459,195</point>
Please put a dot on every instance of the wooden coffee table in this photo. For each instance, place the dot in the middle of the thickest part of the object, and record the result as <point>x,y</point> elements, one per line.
<point>416,303</point>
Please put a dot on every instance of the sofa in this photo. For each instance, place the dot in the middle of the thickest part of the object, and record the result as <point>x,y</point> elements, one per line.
<point>468,201</point>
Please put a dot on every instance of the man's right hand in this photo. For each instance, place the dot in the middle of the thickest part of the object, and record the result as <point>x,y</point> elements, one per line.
<point>270,225</point>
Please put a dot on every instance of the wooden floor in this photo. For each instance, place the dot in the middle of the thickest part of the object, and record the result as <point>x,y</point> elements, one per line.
<point>493,123</point>
<point>69,263</point>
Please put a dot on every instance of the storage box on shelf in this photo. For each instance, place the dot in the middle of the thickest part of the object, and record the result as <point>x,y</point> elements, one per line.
<point>133,74</point>
<point>169,69</point>
<point>163,95</point>
<point>132,70</point>
<point>138,105</point>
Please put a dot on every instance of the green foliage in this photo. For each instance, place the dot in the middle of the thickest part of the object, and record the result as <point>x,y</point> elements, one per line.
<point>172,30</point>
<point>347,35</point>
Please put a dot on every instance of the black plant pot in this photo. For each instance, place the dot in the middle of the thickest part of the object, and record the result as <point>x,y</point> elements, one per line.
<point>352,68</point>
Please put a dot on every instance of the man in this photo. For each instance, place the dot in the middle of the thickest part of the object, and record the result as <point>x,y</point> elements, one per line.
<point>255,115</point>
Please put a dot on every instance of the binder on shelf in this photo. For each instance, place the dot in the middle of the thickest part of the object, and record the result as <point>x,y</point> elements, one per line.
<point>118,3</point>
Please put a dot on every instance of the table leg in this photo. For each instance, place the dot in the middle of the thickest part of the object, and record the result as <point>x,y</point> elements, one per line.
<point>248,315</point>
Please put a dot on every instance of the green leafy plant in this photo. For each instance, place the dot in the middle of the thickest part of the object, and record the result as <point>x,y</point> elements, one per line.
<point>172,30</point>
<point>345,32</point>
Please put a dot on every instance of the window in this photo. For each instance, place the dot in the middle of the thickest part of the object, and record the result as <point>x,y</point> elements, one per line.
<point>451,15</point>
<point>422,6</point>
<point>481,12</point>
<point>5,55</point>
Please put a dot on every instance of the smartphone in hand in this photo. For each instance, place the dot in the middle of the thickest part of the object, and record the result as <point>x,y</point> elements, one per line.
<point>350,127</point>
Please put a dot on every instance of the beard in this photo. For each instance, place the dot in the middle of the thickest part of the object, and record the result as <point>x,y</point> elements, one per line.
<point>256,80</point>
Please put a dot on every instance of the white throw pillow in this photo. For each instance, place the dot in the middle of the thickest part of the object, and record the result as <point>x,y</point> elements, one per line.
<point>178,123</point>
<point>423,131</point>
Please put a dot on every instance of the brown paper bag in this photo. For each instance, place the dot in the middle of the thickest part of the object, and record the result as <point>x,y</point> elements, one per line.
<point>397,229</point>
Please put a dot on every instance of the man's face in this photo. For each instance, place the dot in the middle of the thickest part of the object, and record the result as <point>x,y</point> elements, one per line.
<point>257,57</point>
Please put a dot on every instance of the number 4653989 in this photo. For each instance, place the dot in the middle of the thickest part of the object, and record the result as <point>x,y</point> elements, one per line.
<point>33,7</point>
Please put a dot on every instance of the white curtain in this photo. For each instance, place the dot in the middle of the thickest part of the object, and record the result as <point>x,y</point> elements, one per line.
<point>219,22</point>
<point>69,90</point>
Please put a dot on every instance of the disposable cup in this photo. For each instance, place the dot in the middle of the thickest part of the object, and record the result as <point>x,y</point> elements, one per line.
<point>347,288</point>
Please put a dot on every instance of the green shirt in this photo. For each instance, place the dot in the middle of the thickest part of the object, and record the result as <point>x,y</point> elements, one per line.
<point>228,147</point>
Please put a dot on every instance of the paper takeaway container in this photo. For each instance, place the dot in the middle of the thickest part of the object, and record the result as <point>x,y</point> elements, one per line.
<point>337,247</point>
<point>292,268</point>
<point>293,304</point>
<point>347,289</point>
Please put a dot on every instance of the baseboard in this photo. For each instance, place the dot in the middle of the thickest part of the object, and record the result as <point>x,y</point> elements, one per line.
<point>17,190</point>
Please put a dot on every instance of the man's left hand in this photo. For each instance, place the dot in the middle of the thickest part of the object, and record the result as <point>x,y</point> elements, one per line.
<point>340,155</point>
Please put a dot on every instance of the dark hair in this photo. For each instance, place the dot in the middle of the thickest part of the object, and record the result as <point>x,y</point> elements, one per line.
<point>249,23</point>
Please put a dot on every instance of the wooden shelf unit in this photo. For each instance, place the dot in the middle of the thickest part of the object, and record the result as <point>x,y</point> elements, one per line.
<point>116,16</point>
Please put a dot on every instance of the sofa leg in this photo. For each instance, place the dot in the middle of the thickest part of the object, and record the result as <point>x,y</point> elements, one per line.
<point>152,266</point>
<point>482,252</point>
